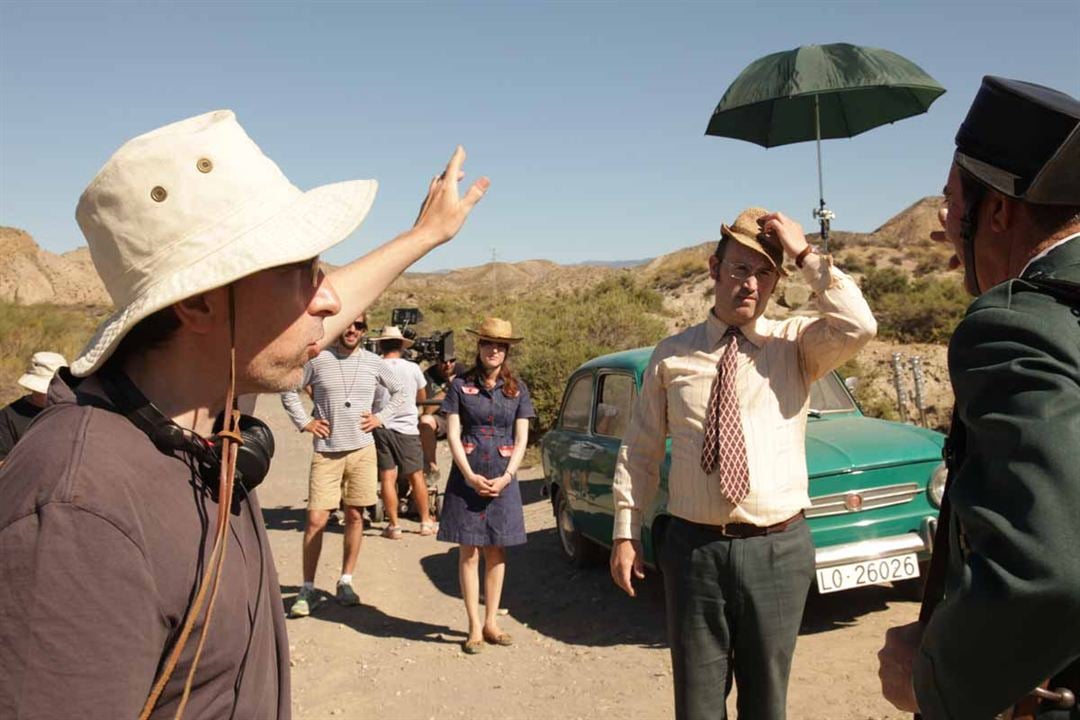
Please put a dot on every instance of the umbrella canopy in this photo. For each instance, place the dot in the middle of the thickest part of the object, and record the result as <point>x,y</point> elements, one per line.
<point>821,91</point>
<point>851,89</point>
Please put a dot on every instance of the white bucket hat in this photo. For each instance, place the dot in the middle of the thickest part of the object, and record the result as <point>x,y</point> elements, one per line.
<point>393,332</point>
<point>193,206</point>
<point>43,365</point>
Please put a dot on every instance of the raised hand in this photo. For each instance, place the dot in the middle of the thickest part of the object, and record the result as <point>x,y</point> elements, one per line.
<point>444,211</point>
<point>789,232</point>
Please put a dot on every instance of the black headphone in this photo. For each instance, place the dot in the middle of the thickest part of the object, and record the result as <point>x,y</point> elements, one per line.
<point>253,455</point>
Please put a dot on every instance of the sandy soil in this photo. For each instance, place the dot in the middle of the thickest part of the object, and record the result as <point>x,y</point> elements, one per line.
<point>581,646</point>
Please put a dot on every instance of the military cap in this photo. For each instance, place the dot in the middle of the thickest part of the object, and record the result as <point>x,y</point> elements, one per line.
<point>1023,140</point>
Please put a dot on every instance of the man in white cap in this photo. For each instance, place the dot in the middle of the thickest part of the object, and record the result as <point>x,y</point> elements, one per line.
<point>114,548</point>
<point>15,418</point>
<point>398,440</point>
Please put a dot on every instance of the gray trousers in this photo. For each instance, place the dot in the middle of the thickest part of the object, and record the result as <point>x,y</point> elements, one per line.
<point>734,607</point>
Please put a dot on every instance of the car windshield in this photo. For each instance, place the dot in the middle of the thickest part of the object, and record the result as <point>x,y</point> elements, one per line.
<point>829,395</point>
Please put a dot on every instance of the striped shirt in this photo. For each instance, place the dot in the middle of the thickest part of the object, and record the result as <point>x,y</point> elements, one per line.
<point>343,388</point>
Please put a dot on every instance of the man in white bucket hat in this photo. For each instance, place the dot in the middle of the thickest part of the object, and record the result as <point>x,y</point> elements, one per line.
<point>15,418</point>
<point>108,563</point>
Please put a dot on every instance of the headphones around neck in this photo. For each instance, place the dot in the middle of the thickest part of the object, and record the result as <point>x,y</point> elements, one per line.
<point>253,455</point>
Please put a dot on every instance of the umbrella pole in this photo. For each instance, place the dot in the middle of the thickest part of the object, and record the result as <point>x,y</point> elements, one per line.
<point>822,213</point>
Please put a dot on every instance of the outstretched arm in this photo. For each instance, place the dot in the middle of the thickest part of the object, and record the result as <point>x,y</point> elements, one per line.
<point>442,214</point>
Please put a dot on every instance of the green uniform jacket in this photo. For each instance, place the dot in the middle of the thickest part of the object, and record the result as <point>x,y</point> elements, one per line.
<point>1010,618</point>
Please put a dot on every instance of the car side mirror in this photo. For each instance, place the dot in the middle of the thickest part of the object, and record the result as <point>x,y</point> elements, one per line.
<point>852,383</point>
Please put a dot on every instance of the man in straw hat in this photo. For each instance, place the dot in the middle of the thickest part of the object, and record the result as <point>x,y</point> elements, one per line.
<point>15,418</point>
<point>732,393</point>
<point>398,440</point>
<point>343,380</point>
<point>109,567</point>
<point>1005,556</point>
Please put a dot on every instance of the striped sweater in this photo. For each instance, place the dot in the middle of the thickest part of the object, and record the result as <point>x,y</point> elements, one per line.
<point>343,387</point>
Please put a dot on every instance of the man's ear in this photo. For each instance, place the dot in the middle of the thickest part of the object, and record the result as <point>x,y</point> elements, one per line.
<point>199,313</point>
<point>1001,210</point>
<point>714,266</point>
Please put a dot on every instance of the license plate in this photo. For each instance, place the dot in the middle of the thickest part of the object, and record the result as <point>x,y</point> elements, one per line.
<point>867,572</point>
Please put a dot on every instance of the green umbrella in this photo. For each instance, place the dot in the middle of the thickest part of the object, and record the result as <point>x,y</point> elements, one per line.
<point>821,91</point>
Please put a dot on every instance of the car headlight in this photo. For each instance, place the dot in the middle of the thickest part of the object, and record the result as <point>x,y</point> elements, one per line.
<point>936,487</point>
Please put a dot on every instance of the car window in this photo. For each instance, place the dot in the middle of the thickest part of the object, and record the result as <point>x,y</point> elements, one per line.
<point>614,403</point>
<point>829,395</point>
<point>575,412</point>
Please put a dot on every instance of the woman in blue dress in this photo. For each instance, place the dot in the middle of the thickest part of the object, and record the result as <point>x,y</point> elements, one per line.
<point>487,428</point>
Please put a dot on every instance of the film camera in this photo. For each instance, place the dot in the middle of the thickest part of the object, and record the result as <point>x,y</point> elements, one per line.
<point>436,347</point>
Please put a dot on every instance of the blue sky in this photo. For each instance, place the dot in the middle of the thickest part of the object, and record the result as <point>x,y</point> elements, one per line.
<point>589,117</point>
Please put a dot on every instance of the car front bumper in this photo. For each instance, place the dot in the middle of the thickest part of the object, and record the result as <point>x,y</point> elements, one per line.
<point>879,548</point>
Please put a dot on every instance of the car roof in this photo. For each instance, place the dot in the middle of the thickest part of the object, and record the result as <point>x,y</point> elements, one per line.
<point>633,360</point>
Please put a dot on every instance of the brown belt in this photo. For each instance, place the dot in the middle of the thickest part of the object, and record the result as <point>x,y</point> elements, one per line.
<point>748,530</point>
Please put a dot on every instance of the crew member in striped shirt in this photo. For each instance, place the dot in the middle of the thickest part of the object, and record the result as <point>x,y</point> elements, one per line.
<point>341,380</point>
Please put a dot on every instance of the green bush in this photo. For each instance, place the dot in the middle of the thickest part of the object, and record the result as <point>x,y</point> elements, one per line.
<point>26,329</point>
<point>561,330</point>
<point>926,310</point>
<point>872,401</point>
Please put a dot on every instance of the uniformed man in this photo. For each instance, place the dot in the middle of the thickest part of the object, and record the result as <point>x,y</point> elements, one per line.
<point>1010,617</point>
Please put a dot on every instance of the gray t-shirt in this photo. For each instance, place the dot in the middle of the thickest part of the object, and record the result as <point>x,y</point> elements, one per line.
<point>100,540</point>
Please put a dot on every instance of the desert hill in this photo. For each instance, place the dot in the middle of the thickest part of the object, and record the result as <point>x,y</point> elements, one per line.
<point>31,275</point>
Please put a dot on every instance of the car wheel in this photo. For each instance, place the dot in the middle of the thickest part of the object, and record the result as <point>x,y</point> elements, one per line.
<point>575,548</point>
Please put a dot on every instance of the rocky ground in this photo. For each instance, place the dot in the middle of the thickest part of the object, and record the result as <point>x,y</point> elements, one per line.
<point>582,648</point>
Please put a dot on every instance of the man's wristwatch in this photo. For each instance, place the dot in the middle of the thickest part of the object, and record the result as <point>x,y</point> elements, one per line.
<point>802,255</point>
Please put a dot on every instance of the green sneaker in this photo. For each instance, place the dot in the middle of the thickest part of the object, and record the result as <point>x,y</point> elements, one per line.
<point>346,595</point>
<point>301,607</point>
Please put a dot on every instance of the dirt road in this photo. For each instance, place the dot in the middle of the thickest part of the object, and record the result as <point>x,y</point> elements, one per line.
<point>582,648</point>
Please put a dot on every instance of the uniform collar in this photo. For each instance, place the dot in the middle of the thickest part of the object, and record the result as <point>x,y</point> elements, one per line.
<point>1045,263</point>
<point>715,329</point>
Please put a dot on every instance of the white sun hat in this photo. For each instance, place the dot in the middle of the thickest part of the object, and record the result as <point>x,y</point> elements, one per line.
<point>43,365</point>
<point>393,332</point>
<point>193,206</point>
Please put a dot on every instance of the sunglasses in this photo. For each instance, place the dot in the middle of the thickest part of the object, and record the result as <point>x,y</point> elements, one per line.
<point>359,326</point>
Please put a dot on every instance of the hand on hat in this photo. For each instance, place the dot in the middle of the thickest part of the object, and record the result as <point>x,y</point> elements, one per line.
<point>789,232</point>
<point>444,212</point>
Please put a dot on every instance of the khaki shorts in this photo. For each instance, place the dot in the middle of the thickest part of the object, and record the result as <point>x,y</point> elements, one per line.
<point>334,475</point>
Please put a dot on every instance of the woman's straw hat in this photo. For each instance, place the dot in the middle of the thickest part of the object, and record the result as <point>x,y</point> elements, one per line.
<point>194,206</point>
<point>495,330</point>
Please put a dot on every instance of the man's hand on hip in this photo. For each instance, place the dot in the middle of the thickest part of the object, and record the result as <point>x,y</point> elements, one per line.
<point>627,559</point>
<point>370,421</point>
<point>318,427</point>
<point>787,231</point>
<point>895,661</point>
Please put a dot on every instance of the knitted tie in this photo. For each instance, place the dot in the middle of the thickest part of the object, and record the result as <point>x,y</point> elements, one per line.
<point>725,446</point>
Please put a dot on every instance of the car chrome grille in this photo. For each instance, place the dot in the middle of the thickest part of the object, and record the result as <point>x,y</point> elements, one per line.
<point>871,498</point>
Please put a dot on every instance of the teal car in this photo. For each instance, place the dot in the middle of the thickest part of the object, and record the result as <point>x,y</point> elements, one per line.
<point>875,485</point>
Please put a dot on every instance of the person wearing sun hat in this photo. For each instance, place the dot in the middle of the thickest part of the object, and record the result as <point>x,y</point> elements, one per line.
<point>398,440</point>
<point>211,258</point>
<point>488,411</point>
<point>1003,588</point>
<point>15,418</point>
<point>732,393</point>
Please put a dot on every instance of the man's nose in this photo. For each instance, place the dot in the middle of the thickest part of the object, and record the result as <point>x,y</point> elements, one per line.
<point>325,302</point>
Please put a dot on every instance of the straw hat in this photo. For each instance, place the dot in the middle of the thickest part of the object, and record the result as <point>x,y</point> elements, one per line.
<point>43,365</point>
<point>393,332</point>
<point>746,231</point>
<point>193,206</point>
<point>496,330</point>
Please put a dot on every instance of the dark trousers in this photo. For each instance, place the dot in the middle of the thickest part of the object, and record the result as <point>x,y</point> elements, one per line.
<point>733,610</point>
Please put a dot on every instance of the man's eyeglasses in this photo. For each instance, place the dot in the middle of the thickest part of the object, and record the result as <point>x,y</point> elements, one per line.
<point>742,272</point>
<point>359,326</point>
